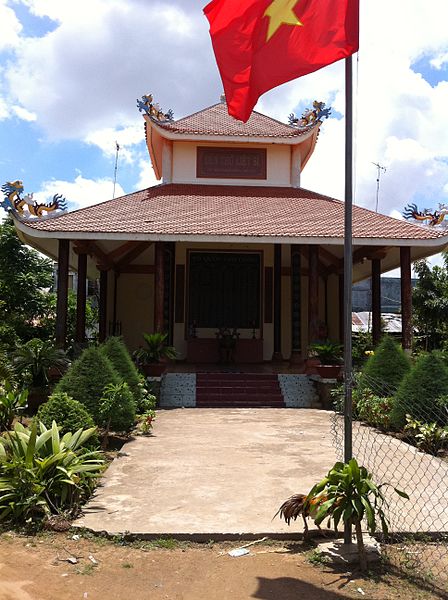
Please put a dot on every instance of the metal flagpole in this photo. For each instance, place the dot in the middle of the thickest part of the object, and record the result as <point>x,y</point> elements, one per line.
<point>348,268</point>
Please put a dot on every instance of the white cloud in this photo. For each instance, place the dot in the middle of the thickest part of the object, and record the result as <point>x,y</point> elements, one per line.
<point>79,193</point>
<point>147,177</point>
<point>4,111</point>
<point>10,27</point>
<point>81,81</point>
<point>103,55</point>
<point>439,61</point>
<point>126,138</point>
<point>23,113</point>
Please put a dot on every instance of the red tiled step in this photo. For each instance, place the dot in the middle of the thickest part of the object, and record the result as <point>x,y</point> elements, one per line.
<point>200,377</point>
<point>239,404</point>
<point>240,396</point>
<point>238,389</point>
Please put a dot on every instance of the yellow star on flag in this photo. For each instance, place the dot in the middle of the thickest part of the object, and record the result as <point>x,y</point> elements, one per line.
<point>280,12</point>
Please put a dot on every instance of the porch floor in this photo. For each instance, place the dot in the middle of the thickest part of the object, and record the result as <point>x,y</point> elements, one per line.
<point>266,367</point>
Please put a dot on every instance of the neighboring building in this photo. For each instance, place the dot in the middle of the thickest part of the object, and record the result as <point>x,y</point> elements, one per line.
<point>390,295</point>
<point>228,239</point>
<point>362,322</point>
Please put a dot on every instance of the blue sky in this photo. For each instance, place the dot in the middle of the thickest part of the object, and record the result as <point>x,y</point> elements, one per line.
<point>70,73</point>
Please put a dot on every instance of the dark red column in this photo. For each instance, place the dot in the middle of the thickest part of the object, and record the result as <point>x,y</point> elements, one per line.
<point>296,305</point>
<point>277,303</point>
<point>159,287</point>
<point>81,298</point>
<point>341,306</point>
<point>62,293</point>
<point>406,297</point>
<point>313,294</point>
<point>103,306</point>
<point>376,300</point>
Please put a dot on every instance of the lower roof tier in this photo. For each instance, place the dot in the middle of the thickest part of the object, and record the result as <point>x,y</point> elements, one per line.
<point>188,212</point>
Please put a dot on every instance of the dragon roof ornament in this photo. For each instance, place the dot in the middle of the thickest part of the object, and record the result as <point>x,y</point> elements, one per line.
<point>153,110</point>
<point>25,206</point>
<point>310,116</point>
<point>427,216</point>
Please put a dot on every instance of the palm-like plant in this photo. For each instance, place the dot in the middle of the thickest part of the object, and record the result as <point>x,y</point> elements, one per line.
<point>329,353</point>
<point>348,493</point>
<point>156,348</point>
<point>35,359</point>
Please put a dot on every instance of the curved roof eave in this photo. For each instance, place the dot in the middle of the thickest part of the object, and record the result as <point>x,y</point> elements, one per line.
<point>173,136</point>
<point>434,243</point>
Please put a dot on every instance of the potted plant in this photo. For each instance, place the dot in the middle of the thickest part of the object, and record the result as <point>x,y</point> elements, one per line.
<point>151,359</point>
<point>37,362</point>
<point>330,357</point>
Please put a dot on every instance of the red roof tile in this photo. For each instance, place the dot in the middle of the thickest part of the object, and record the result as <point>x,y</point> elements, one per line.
<point>215,120</point>
<point>218,210</point>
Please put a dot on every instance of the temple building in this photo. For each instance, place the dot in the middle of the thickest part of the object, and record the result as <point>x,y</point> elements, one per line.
<point>227,239</point>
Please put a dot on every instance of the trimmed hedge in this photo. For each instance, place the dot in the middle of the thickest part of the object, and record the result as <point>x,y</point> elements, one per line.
<point>385,369</point>
<point>420,390</point>
<point>86,379</point>
<point>69,414</point>
<point>116,351</point>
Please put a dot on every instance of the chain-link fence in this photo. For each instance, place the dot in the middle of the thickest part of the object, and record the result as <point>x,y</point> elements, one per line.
<point>413,459</point>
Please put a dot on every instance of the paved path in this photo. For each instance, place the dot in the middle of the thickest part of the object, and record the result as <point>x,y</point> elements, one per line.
<point>213,473</point>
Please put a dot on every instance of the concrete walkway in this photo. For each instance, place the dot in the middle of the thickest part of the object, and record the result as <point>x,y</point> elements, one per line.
<point>213,473</point>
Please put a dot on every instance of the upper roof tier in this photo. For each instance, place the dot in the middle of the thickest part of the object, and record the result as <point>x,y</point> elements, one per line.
<point>214,126</point>
<point>216,121</point>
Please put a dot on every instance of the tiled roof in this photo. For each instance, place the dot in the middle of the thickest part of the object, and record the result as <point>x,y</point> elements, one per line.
<point>215,120</point>
<point>219,210</point>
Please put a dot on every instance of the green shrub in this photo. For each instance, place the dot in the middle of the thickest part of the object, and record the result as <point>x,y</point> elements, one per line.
<point>427,436</point>
<point>69,414</point>
<point>442,411</point>
<point>42,474</point>
<point>419,391</point>
<point>117,353</point>
<point>12,404</point>
<point>146,420</point>
<point>362,345</point>
<point>147,400</point>
<point>117,407</point>
<point>86,379</point>
<point>374,410</point>
<point>385,369</point>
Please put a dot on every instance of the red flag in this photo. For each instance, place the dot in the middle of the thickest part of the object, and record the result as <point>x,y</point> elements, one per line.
<point>260,44</point>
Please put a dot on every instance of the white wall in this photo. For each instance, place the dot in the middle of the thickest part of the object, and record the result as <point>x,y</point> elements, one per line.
<point>278,159</point>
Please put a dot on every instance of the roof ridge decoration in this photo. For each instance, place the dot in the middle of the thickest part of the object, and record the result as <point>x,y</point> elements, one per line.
<point>153,110</point>
<point>310,116</point>
<point>15,202</point>
<point>427,216</point>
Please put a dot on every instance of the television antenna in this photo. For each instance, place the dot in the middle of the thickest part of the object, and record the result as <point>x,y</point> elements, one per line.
<point>117,150</point>
<point>379,168</point>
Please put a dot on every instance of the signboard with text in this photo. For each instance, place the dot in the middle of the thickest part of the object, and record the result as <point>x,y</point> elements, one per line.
<point>231,163</point>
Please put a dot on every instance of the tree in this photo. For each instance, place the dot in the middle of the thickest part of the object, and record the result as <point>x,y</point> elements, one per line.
<point>27,305</point>
<point>430,303</point>
<point>48,322</point>
<point>25,278</point>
